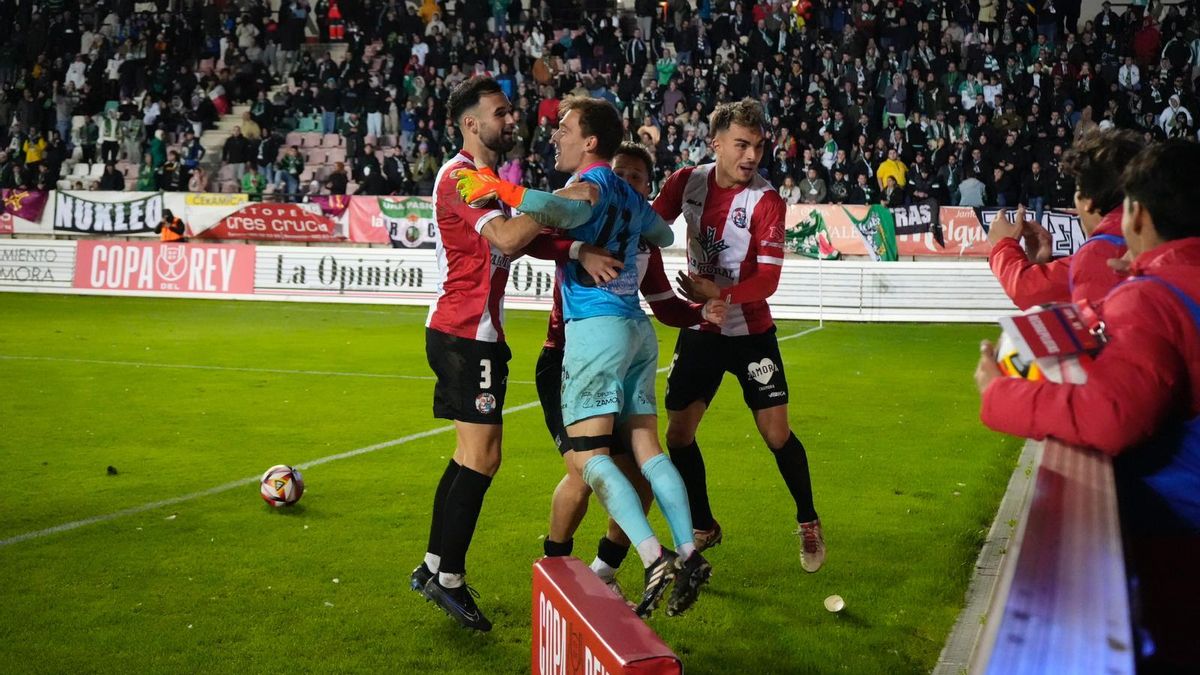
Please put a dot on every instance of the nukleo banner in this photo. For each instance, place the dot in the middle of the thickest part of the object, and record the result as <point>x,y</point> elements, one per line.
<point>109,213</point>
<point>164,267</point>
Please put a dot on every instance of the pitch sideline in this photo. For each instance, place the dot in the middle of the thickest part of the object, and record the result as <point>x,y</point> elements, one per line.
<point>233,485</point>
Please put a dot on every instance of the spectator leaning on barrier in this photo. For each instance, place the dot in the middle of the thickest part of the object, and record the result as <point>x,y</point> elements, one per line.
<point>1028,275</point>
<point>1141,401</point>
<point>1147,378</point>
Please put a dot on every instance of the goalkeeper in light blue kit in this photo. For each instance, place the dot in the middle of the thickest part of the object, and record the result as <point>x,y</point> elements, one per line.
<point>611,354</point>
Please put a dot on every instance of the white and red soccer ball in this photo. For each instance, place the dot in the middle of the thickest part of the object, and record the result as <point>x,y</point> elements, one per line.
<point>281,485</point>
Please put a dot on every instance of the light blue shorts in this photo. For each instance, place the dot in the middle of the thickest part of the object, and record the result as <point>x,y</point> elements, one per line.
<point>609,366</point>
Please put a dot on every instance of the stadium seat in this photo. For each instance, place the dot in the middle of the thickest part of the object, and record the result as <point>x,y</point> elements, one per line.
<point>332,141</point>
<point>228,186</point>
<point>311,139</point>
<point>225,173</point>
<point>294,138</point>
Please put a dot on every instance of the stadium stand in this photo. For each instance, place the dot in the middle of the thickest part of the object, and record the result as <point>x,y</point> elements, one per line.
<point>844,83</point>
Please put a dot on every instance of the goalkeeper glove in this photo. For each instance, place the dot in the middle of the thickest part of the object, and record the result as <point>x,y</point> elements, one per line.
<point>478,187</point>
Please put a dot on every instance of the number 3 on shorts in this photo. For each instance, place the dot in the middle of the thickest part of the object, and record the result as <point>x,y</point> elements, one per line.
<point>485,374</point>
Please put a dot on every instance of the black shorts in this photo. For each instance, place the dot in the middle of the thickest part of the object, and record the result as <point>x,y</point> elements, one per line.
<point>472,377</point>
<point>548,378</point>
<point>702,359</point>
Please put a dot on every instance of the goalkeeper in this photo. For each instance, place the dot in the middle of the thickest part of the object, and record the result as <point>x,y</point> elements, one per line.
<point>611,354</point>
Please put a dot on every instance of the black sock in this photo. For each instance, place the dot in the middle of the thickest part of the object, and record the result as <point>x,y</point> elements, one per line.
<point>558,549</point>
<point>439,510</point>
<point>611,553</point>
<point>690,463</point>
<point>793,466</point>
<point>463,503</point>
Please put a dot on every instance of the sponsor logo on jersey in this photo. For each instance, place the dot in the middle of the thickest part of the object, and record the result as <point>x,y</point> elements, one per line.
<point>599,399</point>
<point>740,220</point>
<point>710,244</point>
<point>714,270</point>
<point>500,260</point>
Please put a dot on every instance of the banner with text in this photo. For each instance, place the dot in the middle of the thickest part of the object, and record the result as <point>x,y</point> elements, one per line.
<point>107,213</point>
<point>274,222</point>
<point>922,229</point>
<point>403,222</point>
<point>1064,227</point>
<point>36,264</point>
<point>154,266</point>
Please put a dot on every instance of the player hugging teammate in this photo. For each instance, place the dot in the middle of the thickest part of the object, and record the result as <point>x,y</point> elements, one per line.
<point>608,401</point>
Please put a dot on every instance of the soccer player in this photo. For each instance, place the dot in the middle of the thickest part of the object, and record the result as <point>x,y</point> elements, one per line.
<point>464,341</point>
<point>1028,275</point>
<point>735,222</point>
<point>611,354</point>
<point>634,165</point>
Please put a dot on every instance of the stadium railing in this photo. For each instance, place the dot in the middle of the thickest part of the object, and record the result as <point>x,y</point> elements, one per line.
<point>1061,603</point>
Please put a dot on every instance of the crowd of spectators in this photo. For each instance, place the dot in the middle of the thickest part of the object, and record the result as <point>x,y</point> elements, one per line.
<point>969,102</point>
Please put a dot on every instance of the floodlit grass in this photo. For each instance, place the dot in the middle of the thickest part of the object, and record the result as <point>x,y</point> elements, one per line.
<point>906,481</point>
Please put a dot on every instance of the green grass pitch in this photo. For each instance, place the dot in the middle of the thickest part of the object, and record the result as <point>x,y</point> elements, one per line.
<point>905,477</point>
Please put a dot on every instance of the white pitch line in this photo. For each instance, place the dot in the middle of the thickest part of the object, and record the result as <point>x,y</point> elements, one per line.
<point>802,333</point>
<point>133,510</point>
<point>238,369</point>
<point>65,527</point>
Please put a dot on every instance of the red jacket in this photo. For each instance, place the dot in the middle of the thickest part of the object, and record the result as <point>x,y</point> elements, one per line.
<point>1083,278</point>
<point>1148,373</point>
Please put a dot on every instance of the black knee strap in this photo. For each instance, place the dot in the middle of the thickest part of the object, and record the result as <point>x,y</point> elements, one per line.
<point>587,443</point>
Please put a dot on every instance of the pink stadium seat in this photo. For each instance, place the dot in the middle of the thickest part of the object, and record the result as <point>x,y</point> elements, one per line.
<point>294,138</point>
<point>331,141</point>
<point>225,174</point>
<point>315,156</point>
<point>229,186</point>
<point>371,139</point>
<point>311,139</point>
<point>336,155</point>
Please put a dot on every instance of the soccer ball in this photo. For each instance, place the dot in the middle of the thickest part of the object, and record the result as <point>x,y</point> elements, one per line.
<point>281,485</point>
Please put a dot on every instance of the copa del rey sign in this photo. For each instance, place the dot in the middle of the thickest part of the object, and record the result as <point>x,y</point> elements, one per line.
<point>146,266</point>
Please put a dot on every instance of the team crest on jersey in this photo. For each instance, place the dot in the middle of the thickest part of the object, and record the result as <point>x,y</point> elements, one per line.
<point>485,403</point>
<point>739,218</point>
<point>709,243</point>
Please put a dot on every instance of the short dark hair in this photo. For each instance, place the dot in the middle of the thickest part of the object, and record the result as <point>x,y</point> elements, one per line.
<point>746,113</point>
<point>1161,179</point>
<point>637,151</point>
<point>467,94</point>
<point>1096,160</point>
<point>599,118</point>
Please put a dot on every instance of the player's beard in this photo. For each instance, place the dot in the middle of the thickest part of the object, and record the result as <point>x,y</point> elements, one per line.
<point>498,142</point>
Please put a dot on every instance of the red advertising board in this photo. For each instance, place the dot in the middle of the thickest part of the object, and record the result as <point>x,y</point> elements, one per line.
<point>172,268</point>
<point>275,222</point>
<point>579,626</point>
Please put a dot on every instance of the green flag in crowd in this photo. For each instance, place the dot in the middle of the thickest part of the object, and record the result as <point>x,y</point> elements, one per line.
<point>878,230</point>
<point>811,239</point>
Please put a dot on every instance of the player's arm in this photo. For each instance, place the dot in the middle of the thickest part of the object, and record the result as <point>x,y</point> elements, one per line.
<point>1131,388</point>
<point>669,308</point>
<point>480,187</point>
<point>550,244</point>
<point>509,235</point>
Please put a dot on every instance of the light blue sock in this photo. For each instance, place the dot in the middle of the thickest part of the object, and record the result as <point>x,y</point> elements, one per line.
<point>671,496</point>
<point>619,498</point>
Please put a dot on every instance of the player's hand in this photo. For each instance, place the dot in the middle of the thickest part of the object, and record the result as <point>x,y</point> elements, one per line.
<point>580,191</point>
<point>714,311</point>
<point>696,288</point>
<point>987,369</point>
<point>1039,245</point>
<point>599,264</point>
<point>478,187</point>
<point>1121,265</point>
<point>1001,229</point>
